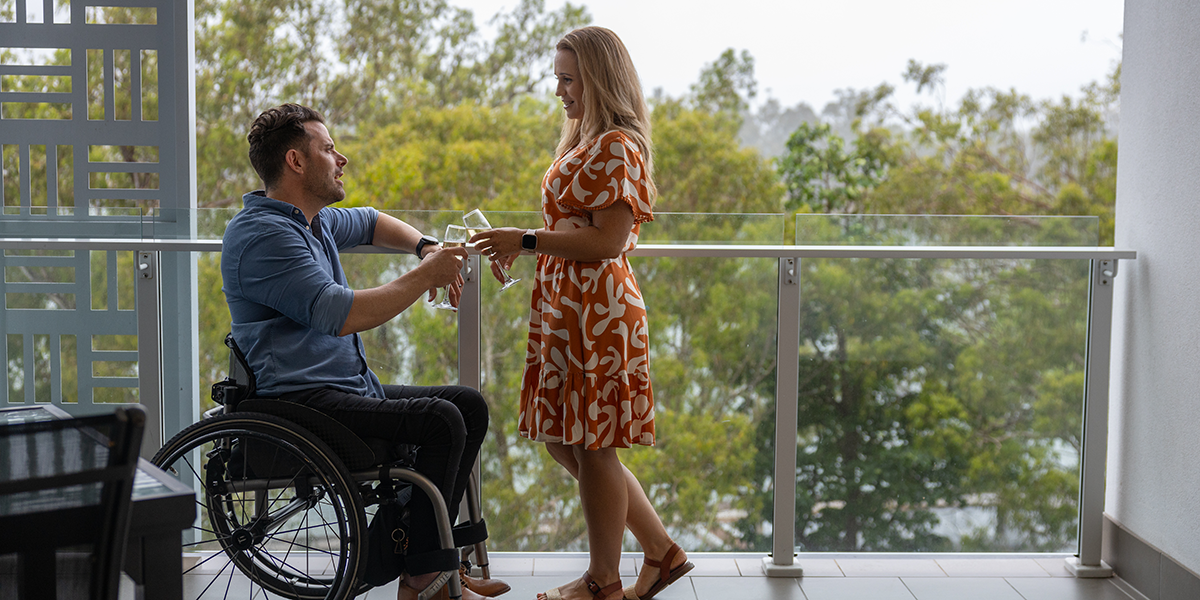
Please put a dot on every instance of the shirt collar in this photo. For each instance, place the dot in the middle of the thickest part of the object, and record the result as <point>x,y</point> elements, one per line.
<point>260,199</point>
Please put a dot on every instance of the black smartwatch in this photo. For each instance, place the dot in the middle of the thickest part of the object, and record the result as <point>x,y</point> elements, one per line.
<point>529,240</point>
<point>425,241</point>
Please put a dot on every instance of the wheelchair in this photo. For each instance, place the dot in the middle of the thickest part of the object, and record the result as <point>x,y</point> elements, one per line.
<point>285,494</point>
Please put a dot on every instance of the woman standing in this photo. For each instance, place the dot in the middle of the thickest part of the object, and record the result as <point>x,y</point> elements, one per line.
<point>586,387</point>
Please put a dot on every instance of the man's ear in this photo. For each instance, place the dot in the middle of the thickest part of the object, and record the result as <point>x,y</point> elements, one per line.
<point>294,160</point>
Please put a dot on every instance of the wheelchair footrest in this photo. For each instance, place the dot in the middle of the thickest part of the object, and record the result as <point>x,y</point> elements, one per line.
<point>469,534</point>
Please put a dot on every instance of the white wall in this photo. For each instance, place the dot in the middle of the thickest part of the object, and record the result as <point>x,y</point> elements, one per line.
<point>1154,427</point>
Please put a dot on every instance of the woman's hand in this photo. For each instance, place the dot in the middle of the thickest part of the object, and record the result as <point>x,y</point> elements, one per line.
<point>501,246</point>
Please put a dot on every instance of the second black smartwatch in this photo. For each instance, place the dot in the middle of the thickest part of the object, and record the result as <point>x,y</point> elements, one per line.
<point>425,241</point>
<point>529,240</point>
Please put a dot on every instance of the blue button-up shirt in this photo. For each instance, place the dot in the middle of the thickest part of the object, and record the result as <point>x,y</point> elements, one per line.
<point>288,296</point>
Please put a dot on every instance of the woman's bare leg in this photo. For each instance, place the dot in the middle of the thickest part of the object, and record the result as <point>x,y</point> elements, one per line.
<point>640,517</point>
<point>604,497</point>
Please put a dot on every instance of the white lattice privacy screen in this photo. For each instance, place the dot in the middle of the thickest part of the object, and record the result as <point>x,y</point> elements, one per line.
<point>96,140</point>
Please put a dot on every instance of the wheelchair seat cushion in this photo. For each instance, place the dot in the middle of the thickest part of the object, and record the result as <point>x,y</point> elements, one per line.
<point>355,453</point>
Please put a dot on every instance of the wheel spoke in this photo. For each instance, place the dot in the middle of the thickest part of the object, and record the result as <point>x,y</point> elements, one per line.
<point>291,526</point>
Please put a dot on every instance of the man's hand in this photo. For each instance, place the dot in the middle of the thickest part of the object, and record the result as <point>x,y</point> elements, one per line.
<point>375,306</point>
<point>445,265</point>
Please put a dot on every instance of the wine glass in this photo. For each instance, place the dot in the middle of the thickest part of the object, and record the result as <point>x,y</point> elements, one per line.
<point>456,237</point>
<point>476,222</point>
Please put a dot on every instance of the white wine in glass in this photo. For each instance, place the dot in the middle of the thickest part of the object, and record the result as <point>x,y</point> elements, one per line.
<point>476,222</point>
<point>456,237</point>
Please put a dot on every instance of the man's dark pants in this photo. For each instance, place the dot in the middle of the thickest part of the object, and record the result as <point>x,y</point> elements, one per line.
<point>448,423</point>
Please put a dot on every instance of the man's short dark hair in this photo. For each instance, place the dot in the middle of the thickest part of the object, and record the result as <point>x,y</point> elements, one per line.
<point>273,133</point>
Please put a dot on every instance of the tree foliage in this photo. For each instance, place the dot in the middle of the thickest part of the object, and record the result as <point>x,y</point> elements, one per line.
<point>928,388</point>
<point>362,63</point>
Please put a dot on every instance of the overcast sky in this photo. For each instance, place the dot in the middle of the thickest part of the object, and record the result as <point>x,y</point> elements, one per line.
<point>806,49</point>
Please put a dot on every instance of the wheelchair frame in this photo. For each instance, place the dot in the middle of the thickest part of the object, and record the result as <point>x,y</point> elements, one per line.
<point>311,466</point>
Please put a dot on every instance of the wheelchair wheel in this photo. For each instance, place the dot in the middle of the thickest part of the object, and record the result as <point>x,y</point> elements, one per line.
<point>277,510</point>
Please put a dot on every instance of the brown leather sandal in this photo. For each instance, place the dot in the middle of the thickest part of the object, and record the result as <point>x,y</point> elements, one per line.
<point>665,576</point>
<point>600,593</point>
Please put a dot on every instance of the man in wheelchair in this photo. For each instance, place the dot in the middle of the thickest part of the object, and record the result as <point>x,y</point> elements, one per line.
<point>297,321</point>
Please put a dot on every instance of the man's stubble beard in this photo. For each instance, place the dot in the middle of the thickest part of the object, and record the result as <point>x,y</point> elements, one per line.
<point>328,191</point>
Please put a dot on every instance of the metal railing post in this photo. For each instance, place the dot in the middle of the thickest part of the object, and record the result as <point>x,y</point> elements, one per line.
<point>470,375</point>
<point>781,562</point>
<point>468,325</point>
<point>1094,455</point>
<point>149,351</point>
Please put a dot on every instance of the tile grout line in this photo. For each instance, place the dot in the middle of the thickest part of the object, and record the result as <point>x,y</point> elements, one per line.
<point>1014,588</point>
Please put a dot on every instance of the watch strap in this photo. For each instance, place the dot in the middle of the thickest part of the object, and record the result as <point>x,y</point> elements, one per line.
<point>424,241</point>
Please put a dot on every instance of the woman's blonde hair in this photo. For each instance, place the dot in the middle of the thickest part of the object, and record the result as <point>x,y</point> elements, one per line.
<point>612,95</point>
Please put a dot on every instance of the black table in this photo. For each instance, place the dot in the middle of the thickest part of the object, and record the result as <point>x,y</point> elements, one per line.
<point>162,508</point>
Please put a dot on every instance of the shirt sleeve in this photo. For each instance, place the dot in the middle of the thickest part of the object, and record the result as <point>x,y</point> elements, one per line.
<point>350,227</point>
<point>279,270</point>
<point>613,169</point>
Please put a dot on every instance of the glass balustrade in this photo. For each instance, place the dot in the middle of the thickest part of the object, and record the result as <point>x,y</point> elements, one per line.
<point>939,404</point>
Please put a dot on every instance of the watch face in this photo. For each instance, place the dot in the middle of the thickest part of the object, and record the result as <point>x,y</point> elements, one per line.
<point>529,241</point>
<point>425,240</point>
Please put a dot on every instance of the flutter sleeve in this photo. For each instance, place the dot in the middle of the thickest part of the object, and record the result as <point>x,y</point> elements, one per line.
<point>612,169</point>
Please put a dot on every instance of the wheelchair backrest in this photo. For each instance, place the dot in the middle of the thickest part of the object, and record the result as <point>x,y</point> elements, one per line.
<point>239,384</point>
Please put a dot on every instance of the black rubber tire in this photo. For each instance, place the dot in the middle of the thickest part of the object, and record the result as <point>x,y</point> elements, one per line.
<point>227,456</point>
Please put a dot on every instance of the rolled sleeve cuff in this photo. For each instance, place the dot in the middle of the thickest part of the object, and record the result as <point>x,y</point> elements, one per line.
<point>332,308</point>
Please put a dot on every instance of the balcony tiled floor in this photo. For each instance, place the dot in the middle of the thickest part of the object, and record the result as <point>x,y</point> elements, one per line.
<point>826,577</point>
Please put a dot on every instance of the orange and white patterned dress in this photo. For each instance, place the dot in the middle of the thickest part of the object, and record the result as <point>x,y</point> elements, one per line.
<point>587,365</point>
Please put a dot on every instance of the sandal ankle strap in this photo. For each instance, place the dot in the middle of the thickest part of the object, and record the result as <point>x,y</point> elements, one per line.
<point>664,573</point>
<point>601,592</point>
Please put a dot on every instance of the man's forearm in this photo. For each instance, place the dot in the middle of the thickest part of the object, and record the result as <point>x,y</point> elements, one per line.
<point>393,233</point>
<point>375,306</point>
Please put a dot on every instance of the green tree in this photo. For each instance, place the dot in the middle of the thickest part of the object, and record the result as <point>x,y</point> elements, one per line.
<point>726,85</point>
<point>929,384</point>
<point>362,63</point>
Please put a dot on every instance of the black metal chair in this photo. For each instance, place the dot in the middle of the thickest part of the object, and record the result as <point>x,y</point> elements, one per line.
<point>68,483</point>
<point>286,493</point>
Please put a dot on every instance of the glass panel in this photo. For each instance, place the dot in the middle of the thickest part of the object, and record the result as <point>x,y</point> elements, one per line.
<point>420,346</point>
<point>214,324</point>
<point>712,331</point>
<point>713,228</point>
<point>939,230</point>
<point>940,404</point>
<point>211,222</point>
